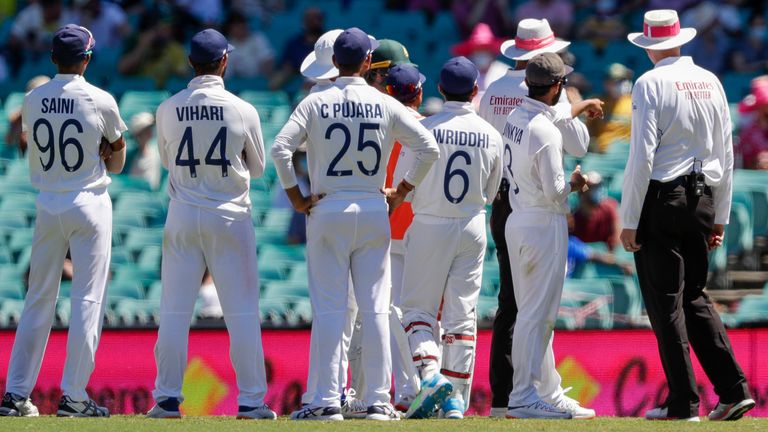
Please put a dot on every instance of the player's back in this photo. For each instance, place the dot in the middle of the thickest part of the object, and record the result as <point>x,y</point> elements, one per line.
<point>204,132</point>
<point>501,97</point>
<point>351,128</point>
<point>467,174</point>
<point>65,120</point>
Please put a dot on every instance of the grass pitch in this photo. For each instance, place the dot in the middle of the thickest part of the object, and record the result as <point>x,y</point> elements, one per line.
<point>471,424</point>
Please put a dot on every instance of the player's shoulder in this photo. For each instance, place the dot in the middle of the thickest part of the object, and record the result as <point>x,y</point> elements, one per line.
<point>98,94</point>
<point>246,109</point>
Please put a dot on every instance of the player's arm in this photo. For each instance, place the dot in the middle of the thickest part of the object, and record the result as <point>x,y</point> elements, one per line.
<point>112,133</point>
<point>291,136</point>
<point>255,158</point>
<point>162,142</point>
<point>412,134</point>
<point>113,154</point>
<point>497,168</point>
<point>549,165</point>
<point>574,131</point>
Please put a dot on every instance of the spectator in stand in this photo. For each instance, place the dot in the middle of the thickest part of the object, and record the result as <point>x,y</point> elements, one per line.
<point>106,21</point>
<point>206,13</point>
<point>604,25</point>
<point>711,46</point>
<point>297,48</point>
<point>752,54</point>
<point>253,55</point>
<point>469,13</point>
<point>482,48</point>
<point>596,219</point>
<point>752,147</point>
<point>615,125</point>
<point>14,137</point>
<point>32,32</point>
<point>145,163</point>
<point>559,13</point>
<point>153,52</point>
<point>580,253</point>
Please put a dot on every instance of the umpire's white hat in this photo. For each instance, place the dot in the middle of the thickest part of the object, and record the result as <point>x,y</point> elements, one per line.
<point>661,31</point>
<point>319,63</point>
<point>534,36</point>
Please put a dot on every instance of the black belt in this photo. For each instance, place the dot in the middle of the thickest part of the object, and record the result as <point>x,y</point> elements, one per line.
<point>686,181</point>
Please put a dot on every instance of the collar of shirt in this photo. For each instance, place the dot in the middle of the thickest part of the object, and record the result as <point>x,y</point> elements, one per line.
<point>537,106</point>
<point>516,73</point>
<point>68,77</point>
<point>343,81</point>
<point>673,60</point>
<point>414,112</point>
<point>206,81</point>
<point>458,107</point>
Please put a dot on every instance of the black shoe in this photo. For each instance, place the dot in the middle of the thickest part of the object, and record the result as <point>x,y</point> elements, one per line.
<point>17,406</point>
<point>72,408</point>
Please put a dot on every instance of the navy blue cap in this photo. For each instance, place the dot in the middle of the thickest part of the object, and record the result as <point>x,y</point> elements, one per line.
<point>458,76</point>
<point>352,46</point>
<point>71,44</point>
<point>208,46</point>
<point>404,81</point>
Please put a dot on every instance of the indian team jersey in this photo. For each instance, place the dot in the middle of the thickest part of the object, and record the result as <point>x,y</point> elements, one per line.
<point>350,129</point>
<point>467,175</point>
<point>65,120</point>
<point>210,140</point>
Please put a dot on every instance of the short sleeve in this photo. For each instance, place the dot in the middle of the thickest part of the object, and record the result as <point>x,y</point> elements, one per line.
<point>112,122</point>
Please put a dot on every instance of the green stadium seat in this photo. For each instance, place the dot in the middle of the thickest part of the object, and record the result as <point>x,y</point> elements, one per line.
<point>150,257</point>
<point>753,310</point>
<point>21,238</point>
<point>12,220</point>
<point>277,289</point>
<point>125,289</point>
<point>5,256</point>
<point>138,239</point>
<point>738,233</point>
<point>486,307</point>
<point>133,102</point>
<point>273,311</point>
<point>65,289</point>
<point>133,312</point>
<point>13,102</point>
<point>10,273</point>
<point>132,273</point>
<point>10,289</point>
<point>278,219</point>
<point>63,310</point>
<point>566,314</point>
<point>121,84</point>
<point>155,291</point>
<point>10,311</point>
<point>124,183</point>
<point>587,291</point>
<point>269,236</point>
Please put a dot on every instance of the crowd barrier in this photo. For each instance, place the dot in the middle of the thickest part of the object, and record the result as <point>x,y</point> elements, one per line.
<point>617,372</point>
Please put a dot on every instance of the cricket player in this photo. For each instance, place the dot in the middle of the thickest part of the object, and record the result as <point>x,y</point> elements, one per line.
<point>534,36</point>
<point>445,244</point>
<point>210,141</point>
<point>76,137</point>
<point>537,232</point>
<point>349,130</point>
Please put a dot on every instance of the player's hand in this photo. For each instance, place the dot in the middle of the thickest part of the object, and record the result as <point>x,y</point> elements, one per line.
<point>628,239</point>
<point>396,196</point>
<point>715,239</point>
<point>105,149</point>
<point>594,108</point>
<point>578,181</point>
<point>305,203</point>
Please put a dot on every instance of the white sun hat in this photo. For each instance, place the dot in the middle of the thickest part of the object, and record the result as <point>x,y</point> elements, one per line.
<point>661,31</point>
<point>534,36</point>
<point>319,63</point>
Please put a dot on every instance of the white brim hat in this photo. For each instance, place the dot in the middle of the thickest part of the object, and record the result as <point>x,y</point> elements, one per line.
<point>534,36</point>
<point>318,64</point>
<point>661,31</point>
<point>511,51</point>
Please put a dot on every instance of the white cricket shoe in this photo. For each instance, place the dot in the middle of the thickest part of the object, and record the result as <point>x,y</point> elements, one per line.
<point>662,413</point>
<point>382,412</point>
<point>72,408</point>
<point>353,408</point>
<point>165,408</point>
<point>572,406</point>
<point>255,413</point>
<point>734,411</point>
<point>498,413</point>
<point>538,410</point>
<point>317,413</point>
<point>14,405</point>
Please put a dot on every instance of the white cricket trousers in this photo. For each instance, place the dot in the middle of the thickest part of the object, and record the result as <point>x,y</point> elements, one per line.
<point>349,238</point>
<point>86,231</point>
<point>443,262</point>
<point>196,238</point>
<point>538,250</point>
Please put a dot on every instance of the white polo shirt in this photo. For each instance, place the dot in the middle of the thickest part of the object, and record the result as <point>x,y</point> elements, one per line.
<point>679,113</point>
<point>536,147</point>
<point>203,132</point>
<point>350,129</point>
<point>65,120</point>
<point>467,175</point>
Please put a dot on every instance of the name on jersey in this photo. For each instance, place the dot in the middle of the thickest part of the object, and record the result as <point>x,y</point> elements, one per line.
<point>57,106</point>
<point>351,110</point>
<point>513,133</point>
<point>200,112</point>
<point>503,105</point>
<point>461,138</point>
<point>695,89</point>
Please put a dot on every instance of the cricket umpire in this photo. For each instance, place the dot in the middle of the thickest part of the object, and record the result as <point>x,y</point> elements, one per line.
<point>676,199</point>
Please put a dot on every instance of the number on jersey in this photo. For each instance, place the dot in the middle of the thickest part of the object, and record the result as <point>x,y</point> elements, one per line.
<point>463,176</point>
<point>187,146</point>
<point>507,149</point>
<point>63,144</point>
<point>362,144</point>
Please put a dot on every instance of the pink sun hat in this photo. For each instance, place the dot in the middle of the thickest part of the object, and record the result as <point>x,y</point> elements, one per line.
<point>482,38</point>
<point>757,97</point>
<point>534,36</point>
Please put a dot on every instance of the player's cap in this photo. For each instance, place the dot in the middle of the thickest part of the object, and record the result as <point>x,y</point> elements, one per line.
<point>661,31</point>
<point>404,82</point>
<point>208,46</point>
<point>71,44</point>
<point>389,53</point>
<point>534,36</point>
<point>352,46</point>
<point>546,69</point>
<point>458,76</point>
<point>319,63</point>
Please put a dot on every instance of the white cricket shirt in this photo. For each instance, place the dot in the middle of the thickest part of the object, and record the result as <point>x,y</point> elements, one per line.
<point>536,149</point>
<point>467,175</point>
<point>203,132</point>
<point>350,129</point>
<point>65,120</point>
<point>679,113</point>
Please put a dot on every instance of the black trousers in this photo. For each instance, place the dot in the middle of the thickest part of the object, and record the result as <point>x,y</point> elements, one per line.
<point>672,268</point>
<point>500,368</point>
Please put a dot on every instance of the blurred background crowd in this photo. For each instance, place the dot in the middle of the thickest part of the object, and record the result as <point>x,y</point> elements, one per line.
<point>140,57</point>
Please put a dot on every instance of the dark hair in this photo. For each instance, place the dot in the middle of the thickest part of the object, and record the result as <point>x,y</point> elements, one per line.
<point>453,97</point>
<point>351,69</point>
<point>207,68</point>
<point>537,91</point>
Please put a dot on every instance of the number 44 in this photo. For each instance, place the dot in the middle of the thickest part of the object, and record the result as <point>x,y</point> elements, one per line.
<point>220,142</point>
